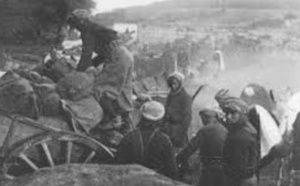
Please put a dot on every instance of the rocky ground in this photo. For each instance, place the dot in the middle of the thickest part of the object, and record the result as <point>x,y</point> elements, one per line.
<point>94,175</point>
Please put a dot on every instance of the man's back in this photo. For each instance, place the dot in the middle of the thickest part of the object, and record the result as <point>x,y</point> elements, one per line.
<point>150,148</point>
<point>240,152</point>
<point>214,136</point>
<point>117,75</point>
<point>95,39</point>
<point>209,140</point>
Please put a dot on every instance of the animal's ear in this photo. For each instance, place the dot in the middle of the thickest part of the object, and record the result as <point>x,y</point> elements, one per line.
<point>271,94</point>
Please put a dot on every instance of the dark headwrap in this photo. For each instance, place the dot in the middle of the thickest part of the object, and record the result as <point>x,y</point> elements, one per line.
<point>230,103</point>
<point>221,96</point>
<point>236,105</point>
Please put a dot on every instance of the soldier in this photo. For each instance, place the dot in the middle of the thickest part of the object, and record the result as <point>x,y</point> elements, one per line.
<point>113,83</point>
<point>241,145</point>
<point>147,145</point>
<point>178,111</point>
<point>210,141</point>
<point>113,88</point>
<point>95,38</point>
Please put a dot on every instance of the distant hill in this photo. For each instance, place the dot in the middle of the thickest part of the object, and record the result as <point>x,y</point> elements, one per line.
<point>174,10</point>
<point>256,4</point>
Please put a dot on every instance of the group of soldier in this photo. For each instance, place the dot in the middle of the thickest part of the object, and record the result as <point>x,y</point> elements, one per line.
<point>228,145</point>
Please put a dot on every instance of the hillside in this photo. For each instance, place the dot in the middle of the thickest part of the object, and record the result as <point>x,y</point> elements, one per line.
<point>201,10</point>
<point>248,4</point>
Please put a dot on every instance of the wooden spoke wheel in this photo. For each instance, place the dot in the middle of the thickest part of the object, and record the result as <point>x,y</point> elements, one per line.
<point>52,149</point>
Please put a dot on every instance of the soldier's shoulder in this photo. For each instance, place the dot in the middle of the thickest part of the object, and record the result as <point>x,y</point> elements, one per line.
<point>214,127</point>
<point>186,95</point>
<point>124,52</point>
<point>185,92</point>
<point>247,133</point>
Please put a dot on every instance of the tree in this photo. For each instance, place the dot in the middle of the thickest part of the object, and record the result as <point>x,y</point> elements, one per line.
<point>42,20</point>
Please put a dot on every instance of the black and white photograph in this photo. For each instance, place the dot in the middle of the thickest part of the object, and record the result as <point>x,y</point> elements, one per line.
<point>149,92</point>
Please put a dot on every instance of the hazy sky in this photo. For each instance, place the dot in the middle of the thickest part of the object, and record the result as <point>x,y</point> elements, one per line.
<point>108,5</point>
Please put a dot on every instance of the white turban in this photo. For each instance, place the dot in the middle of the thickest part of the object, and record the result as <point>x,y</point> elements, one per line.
<point>153,110</point>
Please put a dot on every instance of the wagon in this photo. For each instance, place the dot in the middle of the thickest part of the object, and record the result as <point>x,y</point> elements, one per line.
<point>28,145</point>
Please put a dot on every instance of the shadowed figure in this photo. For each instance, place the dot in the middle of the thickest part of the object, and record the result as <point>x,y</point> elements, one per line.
<point>210,142</point>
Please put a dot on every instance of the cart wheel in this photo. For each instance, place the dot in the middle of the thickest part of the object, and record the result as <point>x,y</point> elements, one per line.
<point>52,149</point>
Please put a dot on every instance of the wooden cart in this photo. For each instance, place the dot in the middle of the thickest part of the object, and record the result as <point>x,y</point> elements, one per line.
<point>27,145</point>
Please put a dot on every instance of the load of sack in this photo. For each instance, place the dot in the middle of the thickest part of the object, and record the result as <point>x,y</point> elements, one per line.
<point>51,90</point>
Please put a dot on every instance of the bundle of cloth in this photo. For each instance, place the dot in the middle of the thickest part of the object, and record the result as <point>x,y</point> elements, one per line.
<point>54,90</point>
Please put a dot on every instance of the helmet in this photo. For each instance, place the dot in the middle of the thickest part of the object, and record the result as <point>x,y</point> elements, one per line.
<point>153,110</point>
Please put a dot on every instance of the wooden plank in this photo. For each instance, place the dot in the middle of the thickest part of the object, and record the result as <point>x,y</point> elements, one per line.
<point>91,155</point>
<point>28,161</point>
<point>47,153</point>
<point>69,151</point>
<point>7,139</point>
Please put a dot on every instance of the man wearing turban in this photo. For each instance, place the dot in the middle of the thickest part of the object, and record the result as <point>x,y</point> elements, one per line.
<point>147,145</point>
<point>241,145</point>
<point>178,111</point>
